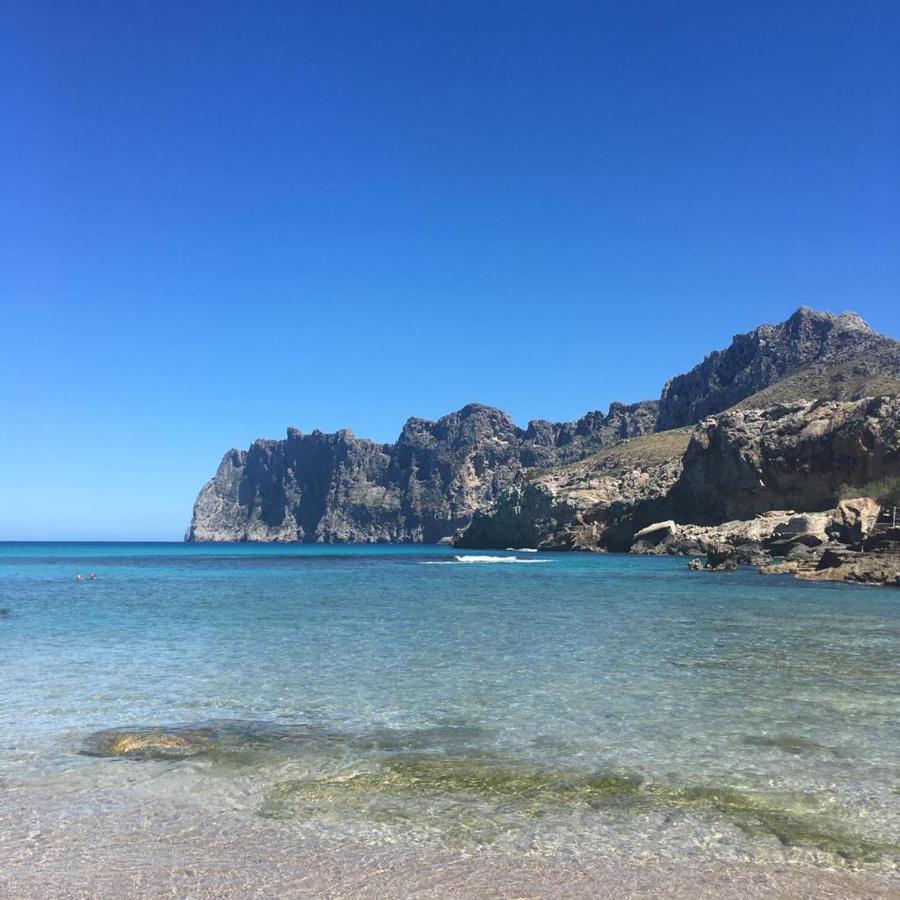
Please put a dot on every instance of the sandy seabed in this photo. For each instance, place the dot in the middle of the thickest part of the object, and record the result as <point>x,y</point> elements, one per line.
<point>116,851</point>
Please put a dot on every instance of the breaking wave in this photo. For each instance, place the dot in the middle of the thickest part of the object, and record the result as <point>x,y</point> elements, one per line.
<point>483,559</point>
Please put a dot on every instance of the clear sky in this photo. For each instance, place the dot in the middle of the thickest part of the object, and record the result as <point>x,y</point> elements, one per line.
<point>218,219</point>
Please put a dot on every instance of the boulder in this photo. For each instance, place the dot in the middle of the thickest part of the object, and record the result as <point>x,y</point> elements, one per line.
<point>720,557</point>
<point>853,520</point>
<point>808,524</point>
<point>657,532</point>
<point>800,553</point>
<point>835,557</point>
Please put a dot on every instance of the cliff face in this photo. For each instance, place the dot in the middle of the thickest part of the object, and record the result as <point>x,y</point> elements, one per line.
<point>737,465</point>
<point>840,352</point>
<point>572,507</point>
<point>338,488</point>
<point>791,456</point>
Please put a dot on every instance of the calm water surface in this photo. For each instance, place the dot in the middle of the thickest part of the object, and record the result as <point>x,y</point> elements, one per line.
<point>564,704</point>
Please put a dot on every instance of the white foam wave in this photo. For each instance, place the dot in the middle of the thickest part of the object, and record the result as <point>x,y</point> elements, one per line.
<point>522,549</point>
<point>466,560</point>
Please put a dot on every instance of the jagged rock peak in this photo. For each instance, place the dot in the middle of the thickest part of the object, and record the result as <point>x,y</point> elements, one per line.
<point>759,358</point>
<point>806,314</point>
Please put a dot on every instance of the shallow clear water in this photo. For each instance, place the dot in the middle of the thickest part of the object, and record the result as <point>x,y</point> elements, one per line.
<point>570,704</point>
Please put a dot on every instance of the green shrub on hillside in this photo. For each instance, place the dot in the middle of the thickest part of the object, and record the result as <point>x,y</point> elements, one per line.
<point>886,491</point>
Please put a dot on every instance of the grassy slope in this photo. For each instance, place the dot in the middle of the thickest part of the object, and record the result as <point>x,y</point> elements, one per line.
<point>633,453</point>
<point>871,374</point>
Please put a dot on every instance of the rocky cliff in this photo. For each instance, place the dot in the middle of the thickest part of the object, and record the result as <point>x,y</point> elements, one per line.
<point>573,507</point>
<point>735,466</point>
<point>422,488</point>
<point>799,456</point>
<point>475,476</point>
<point>832,356</point>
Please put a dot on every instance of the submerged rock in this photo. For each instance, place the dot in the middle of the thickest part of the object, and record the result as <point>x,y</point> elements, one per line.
<point>792,744</point>
<point>148,743</point>
<point>240,741</point>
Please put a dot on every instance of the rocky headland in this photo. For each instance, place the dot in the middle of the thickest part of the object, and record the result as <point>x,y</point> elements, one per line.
<point>326,488</point>
<point>789,424</point>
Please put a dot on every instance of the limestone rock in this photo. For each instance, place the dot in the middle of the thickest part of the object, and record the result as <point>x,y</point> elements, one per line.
<point>658,530</point>
<point>475,478</point>
<point>577,506</point>
<point>792,456</point>
<point>853,520</point>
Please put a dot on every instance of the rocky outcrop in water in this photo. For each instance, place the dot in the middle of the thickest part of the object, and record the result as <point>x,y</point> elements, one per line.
<point>339,488</point>
<point>767,355</point>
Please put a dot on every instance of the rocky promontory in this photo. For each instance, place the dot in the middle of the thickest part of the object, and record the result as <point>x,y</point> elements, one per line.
<point>325,488</point>
<point>789,419</point>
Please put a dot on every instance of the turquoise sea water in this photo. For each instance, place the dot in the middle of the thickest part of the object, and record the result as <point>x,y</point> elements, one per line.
<point>573,704</point>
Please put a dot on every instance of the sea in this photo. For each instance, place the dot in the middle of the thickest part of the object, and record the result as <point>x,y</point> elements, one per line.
<point>392,721</point>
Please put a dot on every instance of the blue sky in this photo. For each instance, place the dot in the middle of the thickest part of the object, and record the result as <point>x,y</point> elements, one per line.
<point>221,219</point>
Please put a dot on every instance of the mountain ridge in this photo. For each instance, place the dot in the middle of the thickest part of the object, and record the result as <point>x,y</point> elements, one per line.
<point>438,475</point>
<point>320,487</point>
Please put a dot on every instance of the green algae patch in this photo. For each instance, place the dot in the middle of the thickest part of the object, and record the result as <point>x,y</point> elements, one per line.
<point>792,827</point>
<point>475,800</point>
<point>431,776</point>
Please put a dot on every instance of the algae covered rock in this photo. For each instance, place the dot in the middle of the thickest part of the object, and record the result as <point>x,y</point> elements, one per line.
<point>148,743</point>
<point>232,739</point>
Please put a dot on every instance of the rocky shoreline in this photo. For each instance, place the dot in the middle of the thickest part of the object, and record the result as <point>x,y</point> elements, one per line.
<point>857,541</point>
